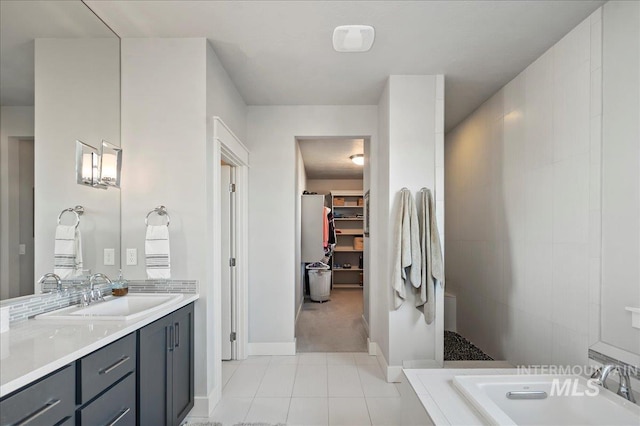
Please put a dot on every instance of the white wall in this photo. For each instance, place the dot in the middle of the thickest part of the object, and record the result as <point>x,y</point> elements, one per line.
<point>415,118</point>
<point>523,208</point>
<point>14,122</point>
<point>271,133</point>
<point>620,174</point>
<point>77,96</point>
<point>324,186</point>
<point>301,186</point>
<point>170,88</point>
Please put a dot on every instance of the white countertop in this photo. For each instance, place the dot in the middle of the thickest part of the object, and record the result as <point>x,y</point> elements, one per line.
<point>34,348</point>
<point>444,404</point>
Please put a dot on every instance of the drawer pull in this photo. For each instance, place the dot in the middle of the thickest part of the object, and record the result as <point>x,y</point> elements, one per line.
<point>117,364</point>
<point>48,406</point>
<point>119,417</point>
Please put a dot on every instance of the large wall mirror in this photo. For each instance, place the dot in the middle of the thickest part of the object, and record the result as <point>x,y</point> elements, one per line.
<point>620,287</point>
<point>59,82</point>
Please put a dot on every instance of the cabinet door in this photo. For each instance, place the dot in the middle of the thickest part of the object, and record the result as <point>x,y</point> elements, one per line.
<point>154,372</point>
<point>183,388</point>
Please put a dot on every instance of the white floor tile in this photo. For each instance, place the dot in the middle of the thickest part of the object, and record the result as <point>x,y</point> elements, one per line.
<point>312,358</point>
<point>365,358</point>
<point>284,359</point>
<point>311,381</point>
<point>344,381</point>
<point>385,411</point>
<point>308,412</point>
<point>230,411</point>
<point>373,382</point>
<point>245,380</point>
<point>268,410</point>
<point>278,381</point>
<point>227,371</point>
<point>257,360</point>
<point>348,412</point>
<point>341,358</point>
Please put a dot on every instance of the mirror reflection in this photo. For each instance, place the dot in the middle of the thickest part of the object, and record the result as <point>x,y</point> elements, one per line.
<point>59,82</point>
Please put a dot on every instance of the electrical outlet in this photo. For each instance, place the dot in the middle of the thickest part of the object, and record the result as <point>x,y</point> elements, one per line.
<point>109,257</point>
<point>132,256</point>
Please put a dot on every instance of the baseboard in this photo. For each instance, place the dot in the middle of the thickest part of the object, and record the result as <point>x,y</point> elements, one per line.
<point>366,324</point>
<point>203,406</point>
<point>272,348</point>
<point>393,372</point>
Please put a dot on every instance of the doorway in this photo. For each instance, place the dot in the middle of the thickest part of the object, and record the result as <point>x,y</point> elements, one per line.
<point>330,294</point>
<point>228,260</point>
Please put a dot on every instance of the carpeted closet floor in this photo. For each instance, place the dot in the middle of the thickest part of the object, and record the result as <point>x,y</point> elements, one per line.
<point>332,326</point>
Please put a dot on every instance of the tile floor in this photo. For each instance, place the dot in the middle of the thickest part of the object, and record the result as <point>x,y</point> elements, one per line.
<point>308,389</point>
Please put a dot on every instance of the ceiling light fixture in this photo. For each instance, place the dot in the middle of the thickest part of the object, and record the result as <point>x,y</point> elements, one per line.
<point>358,159</point>
<point>353,38</point>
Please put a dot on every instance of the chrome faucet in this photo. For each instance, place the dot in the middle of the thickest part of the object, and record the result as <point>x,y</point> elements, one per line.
<point>45,277</point>
<point>95,295</point>
<point>624,389</point>
<point>601,374</point>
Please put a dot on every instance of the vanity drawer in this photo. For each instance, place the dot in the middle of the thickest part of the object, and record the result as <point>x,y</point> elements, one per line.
<point>105,366</point>
<point>48,402</point>
<point>116,407</point>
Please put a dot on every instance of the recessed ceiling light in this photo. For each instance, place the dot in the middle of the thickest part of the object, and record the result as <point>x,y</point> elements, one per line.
<point>358,159</point>
<point>353,38</point>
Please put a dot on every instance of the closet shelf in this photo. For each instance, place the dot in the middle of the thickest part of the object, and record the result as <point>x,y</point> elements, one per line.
<point>348,207</point>
<point>346,249</point>
<point>346,285</point>
<point>348,218</point>
<point>350,232</point>
<point>347,269</point>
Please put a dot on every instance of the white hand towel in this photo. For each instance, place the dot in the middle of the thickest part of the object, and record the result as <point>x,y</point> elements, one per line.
<point>67,252</point>
<point>407,248</point>
<point>432,263</point>
<point>156,247</point>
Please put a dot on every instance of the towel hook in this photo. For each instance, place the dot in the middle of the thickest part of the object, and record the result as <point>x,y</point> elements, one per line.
<point>160,211</point>
<point>77,210</point>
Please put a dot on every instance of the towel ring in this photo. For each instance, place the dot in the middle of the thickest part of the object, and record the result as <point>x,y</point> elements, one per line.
<point>77,210</point>
<point>160,211</point>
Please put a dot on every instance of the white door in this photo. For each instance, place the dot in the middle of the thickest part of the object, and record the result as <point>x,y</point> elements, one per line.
<point>227,253</point>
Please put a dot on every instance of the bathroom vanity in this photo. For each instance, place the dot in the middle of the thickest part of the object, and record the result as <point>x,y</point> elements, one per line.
<point>89,372</point>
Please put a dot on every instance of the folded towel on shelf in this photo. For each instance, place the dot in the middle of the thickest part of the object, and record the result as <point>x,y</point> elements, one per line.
<point>156,247</point>
<point>407,248</point>
<point>67,252</point>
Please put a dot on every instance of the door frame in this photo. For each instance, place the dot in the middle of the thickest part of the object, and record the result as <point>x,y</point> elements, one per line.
<point>228,147</point>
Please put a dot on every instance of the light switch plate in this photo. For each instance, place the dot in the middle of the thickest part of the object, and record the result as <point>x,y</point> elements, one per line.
<point>109,257</point>
<point>22,248</point>
<point>132,256</point>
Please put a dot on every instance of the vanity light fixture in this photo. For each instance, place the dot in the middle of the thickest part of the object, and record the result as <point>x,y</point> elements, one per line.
<point>98,169</point>
<point>353,38</point>
<point>358,159</point>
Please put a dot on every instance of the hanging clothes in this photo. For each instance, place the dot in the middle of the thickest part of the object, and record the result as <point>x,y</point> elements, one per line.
<point>325,227</point>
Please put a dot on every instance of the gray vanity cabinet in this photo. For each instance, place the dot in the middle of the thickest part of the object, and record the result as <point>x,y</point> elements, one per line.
<point>50,401</point>
<point>165,369</point>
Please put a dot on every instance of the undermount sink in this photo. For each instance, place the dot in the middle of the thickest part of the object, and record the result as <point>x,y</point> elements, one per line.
<point>122,308</point>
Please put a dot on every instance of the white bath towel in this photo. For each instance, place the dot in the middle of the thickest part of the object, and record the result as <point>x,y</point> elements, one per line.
<point>156,248</point>
<point>67,252</point>
<point>406,248</point>
<point>432,265</point>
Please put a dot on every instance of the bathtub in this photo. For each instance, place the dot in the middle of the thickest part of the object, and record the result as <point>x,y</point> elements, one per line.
<point>567,400</point>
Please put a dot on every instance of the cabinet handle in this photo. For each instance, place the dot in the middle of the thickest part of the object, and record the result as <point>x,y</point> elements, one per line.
<point>177,334</point>
<point>48,406</point>
<point>120,415</point>
<point>115,365</point>
<point>170,338</point>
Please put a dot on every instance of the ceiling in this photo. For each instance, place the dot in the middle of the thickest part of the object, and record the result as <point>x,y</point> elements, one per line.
<point>329,158</point>
<point>280,52</point>
<point>23,21</point>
